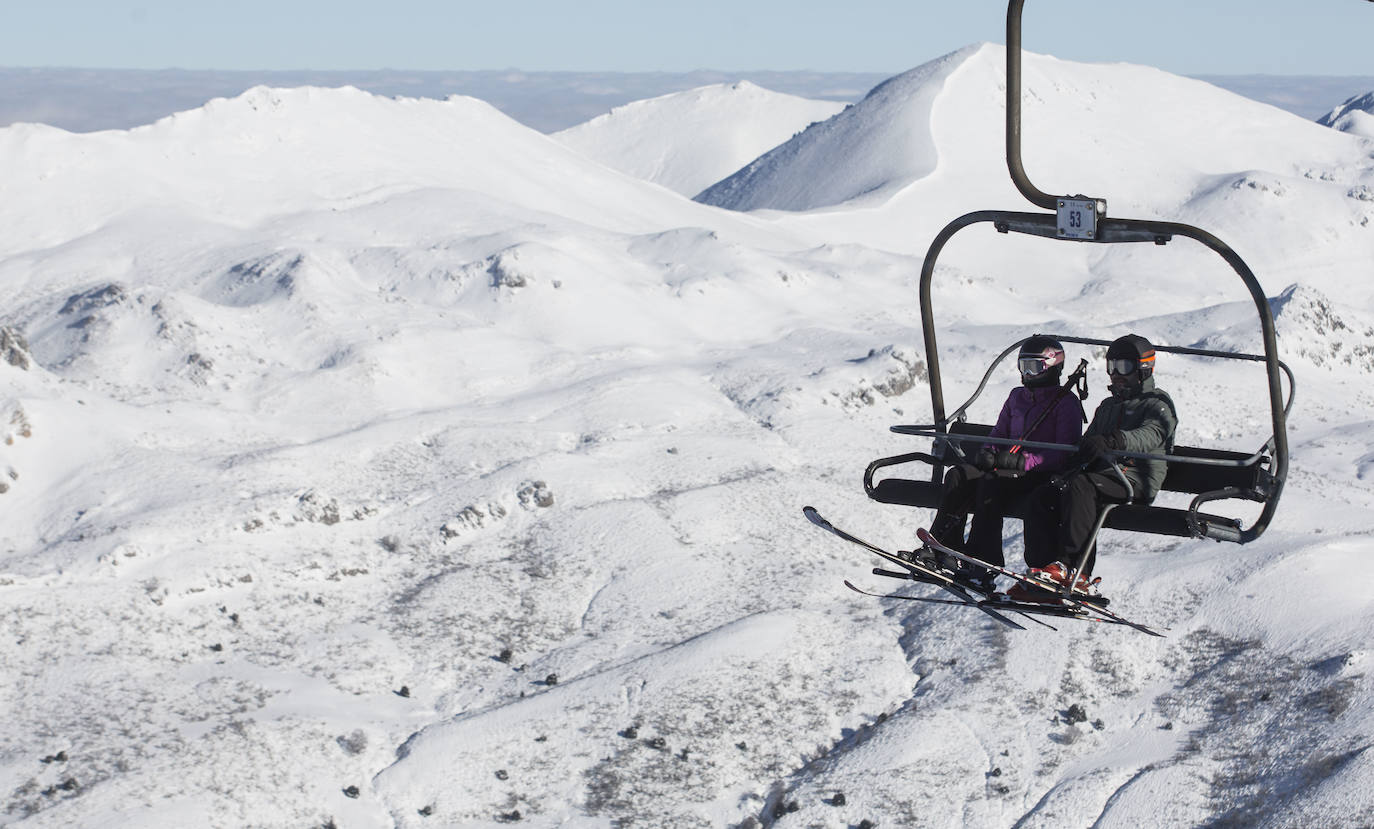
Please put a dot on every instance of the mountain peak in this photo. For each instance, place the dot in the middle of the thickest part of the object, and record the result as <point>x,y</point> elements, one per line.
<point>686,140</point>
<point>885,138</point>
<point>1355,116</point>
<point>1099,128</point>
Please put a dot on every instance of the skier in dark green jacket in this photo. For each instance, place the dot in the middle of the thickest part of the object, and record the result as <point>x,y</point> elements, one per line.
<point>1138,417</point>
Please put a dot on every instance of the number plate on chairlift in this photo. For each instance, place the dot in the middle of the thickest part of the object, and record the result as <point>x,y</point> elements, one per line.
<point>1077,218</point>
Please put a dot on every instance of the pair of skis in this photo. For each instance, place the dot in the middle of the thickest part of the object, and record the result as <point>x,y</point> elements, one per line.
<point>996,605</point>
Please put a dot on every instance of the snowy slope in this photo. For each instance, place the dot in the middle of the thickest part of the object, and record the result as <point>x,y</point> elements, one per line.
<point>935,136</point>
<point>1355,116</point>
<point>272,152</point>
<point>882,142</point>
<point>1127,122</point>
<point>686,141</point>
<point>384,463</point>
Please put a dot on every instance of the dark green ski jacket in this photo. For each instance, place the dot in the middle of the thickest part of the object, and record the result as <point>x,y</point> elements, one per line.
<point>1147,422</point>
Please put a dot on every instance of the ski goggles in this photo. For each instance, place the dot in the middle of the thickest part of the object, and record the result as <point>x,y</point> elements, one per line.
<point>1035,366</point>
<point>1129,366</point>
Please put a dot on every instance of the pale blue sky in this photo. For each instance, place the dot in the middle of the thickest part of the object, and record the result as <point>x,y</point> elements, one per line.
<point>1314,37</point>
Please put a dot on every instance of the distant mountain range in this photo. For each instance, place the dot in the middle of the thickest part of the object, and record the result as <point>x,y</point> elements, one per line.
<point>82,100</point>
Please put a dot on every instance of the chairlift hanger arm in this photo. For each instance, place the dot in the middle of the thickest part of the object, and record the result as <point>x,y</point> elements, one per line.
<point>1035,195</point>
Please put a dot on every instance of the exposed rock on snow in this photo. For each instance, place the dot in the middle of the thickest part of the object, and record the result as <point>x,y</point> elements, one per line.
<point>15,425</point>
<point>83,304</point>
<point>260,280</point>
<point>14,349</point>
<point>472,518</point>
<point>1310,326</point>
<point>894,381</point>
<point>505,270</point>
<point>535,494</point>
<point>317,507</point>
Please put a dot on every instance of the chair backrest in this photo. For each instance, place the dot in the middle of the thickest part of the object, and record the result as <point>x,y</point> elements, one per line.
<point>960,427</point>
<point>1181,477</point>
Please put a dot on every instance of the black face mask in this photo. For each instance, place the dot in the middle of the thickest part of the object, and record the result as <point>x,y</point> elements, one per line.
<point>1047,377</point>
<point>1124,385</point>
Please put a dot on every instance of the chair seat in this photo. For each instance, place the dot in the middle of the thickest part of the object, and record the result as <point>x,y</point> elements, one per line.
<point>1130,517</point>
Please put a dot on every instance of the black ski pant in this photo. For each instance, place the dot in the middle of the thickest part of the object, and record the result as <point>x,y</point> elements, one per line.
<point>968,489</point>
<point>1061,514</point>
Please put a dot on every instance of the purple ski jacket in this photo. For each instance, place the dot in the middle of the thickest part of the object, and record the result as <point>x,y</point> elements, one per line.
<point>1063,425</point>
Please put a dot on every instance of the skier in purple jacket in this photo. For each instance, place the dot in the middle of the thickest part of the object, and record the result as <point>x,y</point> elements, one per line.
<point>1040,410</point>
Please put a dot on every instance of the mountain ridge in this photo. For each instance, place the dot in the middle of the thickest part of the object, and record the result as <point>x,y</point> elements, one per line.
<point>687,140</point>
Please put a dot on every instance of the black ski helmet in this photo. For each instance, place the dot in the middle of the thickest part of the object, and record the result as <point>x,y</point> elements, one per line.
<point>1131,357</point>
<point>1040,361</point>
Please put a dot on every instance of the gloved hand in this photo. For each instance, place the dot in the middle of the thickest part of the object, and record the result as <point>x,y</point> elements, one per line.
<point>986,459</point>
<point>1093,447</point>
<point>1010,461</point>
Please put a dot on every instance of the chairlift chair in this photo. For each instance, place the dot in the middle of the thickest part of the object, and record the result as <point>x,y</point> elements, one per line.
<point>1210,475</point>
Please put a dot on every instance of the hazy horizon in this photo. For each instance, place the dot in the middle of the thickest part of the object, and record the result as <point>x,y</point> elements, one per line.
<point>86,100</point>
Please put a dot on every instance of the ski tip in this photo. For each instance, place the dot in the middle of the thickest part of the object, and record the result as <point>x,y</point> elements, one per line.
<point>923,534</point>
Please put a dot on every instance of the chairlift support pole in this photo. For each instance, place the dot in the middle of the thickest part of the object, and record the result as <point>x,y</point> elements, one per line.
<point>1033,194</point>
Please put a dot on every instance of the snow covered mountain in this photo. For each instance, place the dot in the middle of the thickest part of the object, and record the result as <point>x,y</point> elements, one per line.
<point>374,462</point>
<point>276,152</point>
<point>1356,116</point>
<point>686,141</point>
<point>934,135</point>
<point>1131,125</point>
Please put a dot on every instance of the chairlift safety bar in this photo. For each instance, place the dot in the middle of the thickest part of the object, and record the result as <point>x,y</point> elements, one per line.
<point>932,432</point>
<point>960,413</point>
